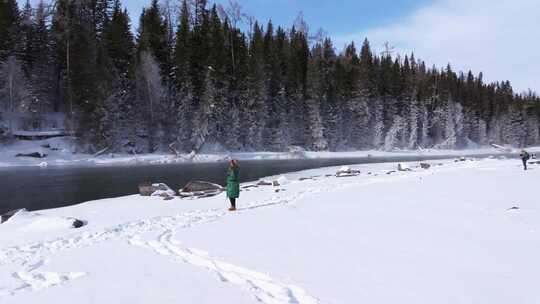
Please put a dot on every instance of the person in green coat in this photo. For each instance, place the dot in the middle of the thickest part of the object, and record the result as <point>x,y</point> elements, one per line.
<point>233,184</point>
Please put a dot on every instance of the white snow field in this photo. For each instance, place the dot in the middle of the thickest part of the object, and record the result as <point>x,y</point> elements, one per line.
<point>448,234</point>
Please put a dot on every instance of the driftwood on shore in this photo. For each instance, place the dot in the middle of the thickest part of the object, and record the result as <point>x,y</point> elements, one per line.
<point>33,155</point>
<point>101,152</point>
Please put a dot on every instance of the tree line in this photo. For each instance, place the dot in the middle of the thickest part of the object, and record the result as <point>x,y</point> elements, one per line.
<point>196,77</point>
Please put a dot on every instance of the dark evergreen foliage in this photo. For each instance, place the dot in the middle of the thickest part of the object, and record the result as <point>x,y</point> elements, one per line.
<point>203,84</point>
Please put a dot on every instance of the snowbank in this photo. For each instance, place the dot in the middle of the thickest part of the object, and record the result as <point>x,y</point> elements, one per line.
<point>444,235</point>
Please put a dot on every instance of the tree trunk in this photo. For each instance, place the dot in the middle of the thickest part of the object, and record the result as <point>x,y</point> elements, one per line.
<point>149,91</point>
<point>11,103</point>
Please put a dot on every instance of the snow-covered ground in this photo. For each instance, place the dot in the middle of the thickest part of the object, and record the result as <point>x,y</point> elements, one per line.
<point>448,234</point>
<point>59,152</point>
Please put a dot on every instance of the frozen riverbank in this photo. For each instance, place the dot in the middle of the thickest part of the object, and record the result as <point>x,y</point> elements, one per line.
<point>60,152</point>
<point>443,235</point>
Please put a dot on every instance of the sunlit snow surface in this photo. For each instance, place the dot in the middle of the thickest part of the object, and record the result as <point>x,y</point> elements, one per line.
<point>448,234</point>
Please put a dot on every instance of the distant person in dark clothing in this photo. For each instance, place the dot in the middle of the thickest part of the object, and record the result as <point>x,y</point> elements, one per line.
<point>525,156</point>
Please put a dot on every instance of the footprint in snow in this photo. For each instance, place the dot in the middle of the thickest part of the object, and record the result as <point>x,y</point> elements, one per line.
<point>40,280</point>
<point>266,289</point>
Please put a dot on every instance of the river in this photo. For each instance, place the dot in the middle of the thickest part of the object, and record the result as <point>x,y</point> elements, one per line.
<point>36,188</point>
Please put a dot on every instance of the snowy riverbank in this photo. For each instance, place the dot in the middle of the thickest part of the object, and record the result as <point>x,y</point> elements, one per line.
<point>59,152</point>
<point>448,234</point>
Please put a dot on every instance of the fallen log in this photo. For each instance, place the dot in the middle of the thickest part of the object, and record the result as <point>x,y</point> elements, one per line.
<point>33,155</point>
<point>101,152</point>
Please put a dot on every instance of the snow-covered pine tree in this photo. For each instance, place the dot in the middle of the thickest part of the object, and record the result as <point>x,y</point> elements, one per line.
<point>315,95</point>
<point>294,56</point>
<point>414,123</point>
<point>532,130</point>
<point>182,88</point>
<point>15,95</point>
<point>40,56</point>
<point>316,139</point>
<point>150,93</point>
<point>330,99</point>
<point>253,104</point>
<point>238,70</point>
<point>119,107</point>
<point>392,137</point>
<point>218,82</point>
<point>9,28</point>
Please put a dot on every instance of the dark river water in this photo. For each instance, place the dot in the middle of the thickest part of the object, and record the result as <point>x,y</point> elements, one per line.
<point>36,189</point>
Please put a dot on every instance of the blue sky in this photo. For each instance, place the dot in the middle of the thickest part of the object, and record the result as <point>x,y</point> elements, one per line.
<point>338,17</point>
<point>500,38</point>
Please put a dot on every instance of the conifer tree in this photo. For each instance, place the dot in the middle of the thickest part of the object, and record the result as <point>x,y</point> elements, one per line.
<point>119,41</point>
<point>153,38</point>
<point>9,28</point>
<point>182,49</point>
<point>204,83</point>
<point>255,104</point>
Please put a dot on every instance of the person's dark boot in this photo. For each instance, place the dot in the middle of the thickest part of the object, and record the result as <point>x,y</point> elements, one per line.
<point>233,206</point>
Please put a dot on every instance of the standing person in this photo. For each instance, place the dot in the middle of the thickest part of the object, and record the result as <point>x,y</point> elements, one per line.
<point>233,185</point>
<point>525,157</point>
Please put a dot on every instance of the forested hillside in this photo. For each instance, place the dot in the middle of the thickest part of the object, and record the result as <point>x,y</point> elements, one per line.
<point>196,77</point>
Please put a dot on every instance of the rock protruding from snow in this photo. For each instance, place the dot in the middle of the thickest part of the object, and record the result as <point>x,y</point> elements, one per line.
<point>26,221</point>
<point>403,167</point>
<point>164,193</point>
<point>281,181</point>
<point>344,169</point>
<point>200,189</point>
<point>347,172</point>
<point>264,183</point>
<point>162,190</point>
<point>146,189</point>
<point>425,166</point>
<point>157,189</point>
<point>78,223</point>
